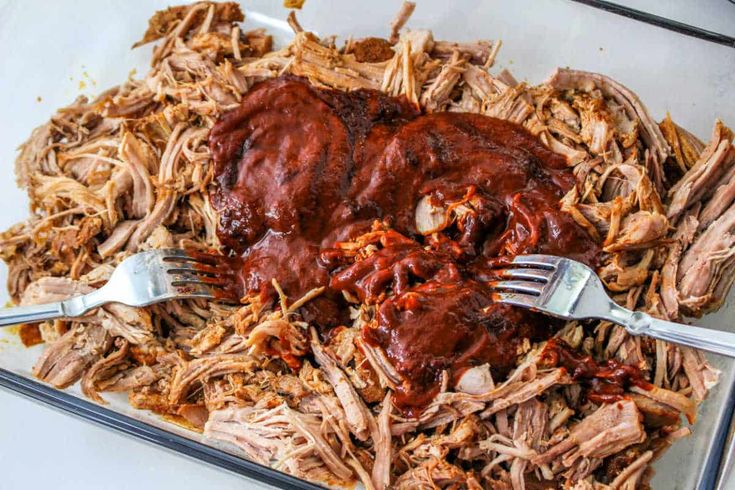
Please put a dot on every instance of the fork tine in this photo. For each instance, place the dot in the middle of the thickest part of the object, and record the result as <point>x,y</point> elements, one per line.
<point>198,268</point>
<point>191,268</point>
<point>515,299</point>
<point>178,255</point>
<point>193,290</point>
<point>199,274</point>
<point>178,277</point>
<point>543,275</point>
<point>197,289</point>
<point>548,262</point>
<point>528,287</point>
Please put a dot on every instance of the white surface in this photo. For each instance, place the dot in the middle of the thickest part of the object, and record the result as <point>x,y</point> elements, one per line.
<point>42,448</point>
<point>713,15</point>
<point>48,48</point>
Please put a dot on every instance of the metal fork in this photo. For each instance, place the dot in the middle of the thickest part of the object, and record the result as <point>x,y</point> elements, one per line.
<point>570,290</point>
<point>141,280</point>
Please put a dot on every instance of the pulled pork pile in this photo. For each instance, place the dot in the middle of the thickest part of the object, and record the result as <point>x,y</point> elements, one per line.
<point>131,171</point>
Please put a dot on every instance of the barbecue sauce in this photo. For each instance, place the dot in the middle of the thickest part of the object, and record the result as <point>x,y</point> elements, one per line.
<point>606,383</point>
<point>299,169</point>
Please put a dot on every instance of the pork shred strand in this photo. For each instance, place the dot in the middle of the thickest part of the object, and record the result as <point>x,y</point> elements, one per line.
<point>131,170</point>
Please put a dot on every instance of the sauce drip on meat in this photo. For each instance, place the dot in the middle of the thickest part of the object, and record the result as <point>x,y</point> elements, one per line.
<point>606,382</point>
<point>299,169</point>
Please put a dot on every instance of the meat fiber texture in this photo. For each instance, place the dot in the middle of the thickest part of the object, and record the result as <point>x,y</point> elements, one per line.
<point>131,170</point>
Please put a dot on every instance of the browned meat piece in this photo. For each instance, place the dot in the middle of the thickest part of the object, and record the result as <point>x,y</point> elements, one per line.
<point>380,364</point>
<point>704,272</point>
<point>610,429</point>
<point>30,335</point>
<point>101,367</point>
<point>367,381</point>
<point>596,123</point>
<point>279,338</point>
<point>129,379</point>
<point>632,475</point>
<point>640,230</point>
<point>674,399</point>
<point>184,16</point>
<point>615,465</point>
<point>527,391</point>
<point>311,431</point>
<point>198,370</point>
<point>290,386</point>
<point>574,79</point>
<point>478,53</point>
<point>260,433</point>
<point>438,92</point>
<point>317,62</point>
<point>196,415</point>
<point>700,372</point>
<point>132,170</point>
<point>462,434</point>
<point>702,178</point>
<point>294,23</point>
<point>655,414</point>
<point>207,339</point>
<point>372,50</point>
<point>685,231</point>
<point>259,42</point>
<point>723,196</point>
<point>269,434</point>
<point>382,440</point>
<point>65,360</point>
<point>433,474</point>
<point>359,418</point>
<point>162,209</point>
<point>117,239</point>
<point>293,4</point>
<point>622,275</point>
<point>404,13</point>
<point>218,45</point>
<point>131,100</point>
<point>685,146</point>
<point>140,161</point>
<point>530,423</point>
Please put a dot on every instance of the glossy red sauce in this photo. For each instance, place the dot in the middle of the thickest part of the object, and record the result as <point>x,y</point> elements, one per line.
<point>299,169</point>
<point>606,382</point>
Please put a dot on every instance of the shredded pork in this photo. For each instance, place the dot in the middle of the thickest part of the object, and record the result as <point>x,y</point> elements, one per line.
<point>131,170</point>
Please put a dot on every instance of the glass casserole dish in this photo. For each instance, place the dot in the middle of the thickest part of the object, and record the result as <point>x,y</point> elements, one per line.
<point>691,87</point>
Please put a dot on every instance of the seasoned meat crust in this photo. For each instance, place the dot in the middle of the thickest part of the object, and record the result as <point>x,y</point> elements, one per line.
<point>133,170</point>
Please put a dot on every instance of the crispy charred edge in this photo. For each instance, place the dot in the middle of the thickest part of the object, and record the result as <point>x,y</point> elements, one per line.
<point>130,170</point>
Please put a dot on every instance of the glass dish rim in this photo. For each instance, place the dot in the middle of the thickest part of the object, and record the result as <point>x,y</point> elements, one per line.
<point>716,463</point>
<point>76,406</point>
<point>659,21</point>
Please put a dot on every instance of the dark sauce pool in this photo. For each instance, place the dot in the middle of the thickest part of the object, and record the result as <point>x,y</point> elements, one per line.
<point>300,168</point>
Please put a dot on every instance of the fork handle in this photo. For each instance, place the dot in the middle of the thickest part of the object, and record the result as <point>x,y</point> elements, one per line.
<point>30,314</point>
<point>69,308</point>
<point>639,323</point>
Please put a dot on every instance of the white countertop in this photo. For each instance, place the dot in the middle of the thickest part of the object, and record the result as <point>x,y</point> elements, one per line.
<point>40,448</point>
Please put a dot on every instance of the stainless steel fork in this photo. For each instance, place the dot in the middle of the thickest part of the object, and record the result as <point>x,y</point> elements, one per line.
<point>570,290</point>
<point>141,280</point>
